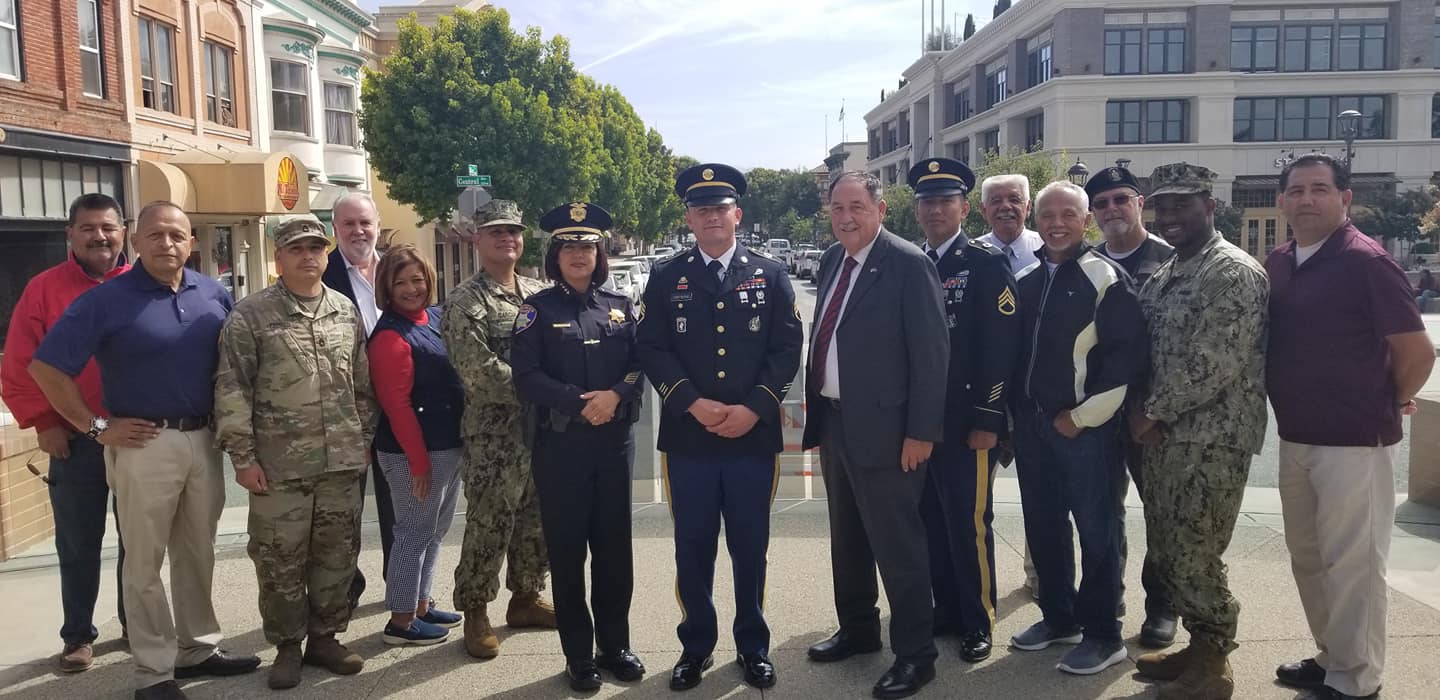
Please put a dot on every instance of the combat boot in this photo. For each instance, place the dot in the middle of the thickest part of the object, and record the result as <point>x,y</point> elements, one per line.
<point>480,639</point>
<point>327,653</point>
<point>285,672</point>
<point>1164,665</point>
<point>1208,677</point>
<point>530,610</point>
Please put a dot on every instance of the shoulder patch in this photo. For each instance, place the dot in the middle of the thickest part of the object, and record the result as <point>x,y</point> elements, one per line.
<point>524,318</point>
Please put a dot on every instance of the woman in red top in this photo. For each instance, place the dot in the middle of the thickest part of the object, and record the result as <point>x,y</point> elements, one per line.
<point>418,440</point>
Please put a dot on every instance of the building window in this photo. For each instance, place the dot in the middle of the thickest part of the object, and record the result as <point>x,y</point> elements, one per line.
<point>889,174</point>
<point>995,90</point>
<point>1307,48</point>
<point>903,130</point>
<point>1041,65</point>
<point>1166,51</point>
<point>1252,241</point>
<point>1122,52</point>
<point>1435,116</point>
<point>1122,122</point>
<point>340,114</point>
<point>290,93</point>
<point>157,66</point>
<point>219,84</point>
<point>874,149</point>
<point>1254,48</point>
<point>1255,119</point>
<point>1035,132</point>
<point>1165,121</point>
<point>1360,47</point>
<point>1150,121</point>
<point>1252,197</point>
<point>91,67</point>
<point>1269,235</point>
<point>1306,118</point>
<point>962,105</point>
<point>960,150</point>
<point>1374,120</point>
<point>1434,43</point>
<point>10,39</point>
<point>989,145</point>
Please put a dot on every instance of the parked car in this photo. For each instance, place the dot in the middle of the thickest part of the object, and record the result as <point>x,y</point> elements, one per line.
<point>663,250</point>
<point>622,282</point>
<point>806,262</point>
<point>639,273</point>
<point>780,249</point>
<point>799,249</point>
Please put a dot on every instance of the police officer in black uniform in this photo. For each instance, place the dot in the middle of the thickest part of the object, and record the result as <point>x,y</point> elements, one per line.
<point>574,359</point>
<point>980,310</point>
<point>720,338</point>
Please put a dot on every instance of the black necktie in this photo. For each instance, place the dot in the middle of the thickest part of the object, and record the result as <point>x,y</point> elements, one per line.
<point>715,268</point>
<point>934,256</point>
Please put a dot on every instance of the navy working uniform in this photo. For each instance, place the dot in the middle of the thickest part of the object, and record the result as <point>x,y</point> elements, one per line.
<point>725,329</point>
<point>957,505</point>
<point>569,342</point>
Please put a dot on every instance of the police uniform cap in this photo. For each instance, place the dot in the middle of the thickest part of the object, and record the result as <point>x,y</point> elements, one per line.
<point>1108,179</point>
<point>300,228</point>
<point>576,222</point>
<point>940,177</point>
<point>1182,178</point>
<point>709,184</point>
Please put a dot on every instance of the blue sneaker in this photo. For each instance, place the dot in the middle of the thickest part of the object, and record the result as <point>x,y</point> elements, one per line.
<point>443,618</point>
<point>420,633</point>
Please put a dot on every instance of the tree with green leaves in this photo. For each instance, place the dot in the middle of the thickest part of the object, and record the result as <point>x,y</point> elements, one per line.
<point>1228,221</point>
<point>772,193</point>
<point>900,216</point>
<point>939,40</point>
<point>969,27</point>
<point>1393,215</point>
<point>1000,7</point>
<point>1040,167</point>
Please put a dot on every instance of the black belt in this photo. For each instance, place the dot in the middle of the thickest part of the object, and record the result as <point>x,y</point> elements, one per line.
<point>183,424</point>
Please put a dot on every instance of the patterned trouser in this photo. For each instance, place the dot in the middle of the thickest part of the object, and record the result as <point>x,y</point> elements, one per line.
<point>502,523</point>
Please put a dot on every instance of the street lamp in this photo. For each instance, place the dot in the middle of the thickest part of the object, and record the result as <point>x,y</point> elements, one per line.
<point>1078,173</point>
<point>1122,163</point>
<point>1349,121</point>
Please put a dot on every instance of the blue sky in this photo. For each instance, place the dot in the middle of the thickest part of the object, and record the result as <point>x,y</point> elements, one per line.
<point>745,82</point>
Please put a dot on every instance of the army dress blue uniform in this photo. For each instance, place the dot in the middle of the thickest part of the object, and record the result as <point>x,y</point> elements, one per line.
<point>566,343</point>
<point>957,505</point>
<point>725,329</point>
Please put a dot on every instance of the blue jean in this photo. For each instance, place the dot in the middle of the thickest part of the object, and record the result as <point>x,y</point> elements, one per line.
<point>1062,477</point>
<point>79,496</point>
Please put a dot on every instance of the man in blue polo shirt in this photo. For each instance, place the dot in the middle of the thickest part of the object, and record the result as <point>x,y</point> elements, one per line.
<point>154,331</point>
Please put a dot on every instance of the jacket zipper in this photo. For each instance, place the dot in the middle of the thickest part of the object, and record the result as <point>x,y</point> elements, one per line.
<point>1039,318</point>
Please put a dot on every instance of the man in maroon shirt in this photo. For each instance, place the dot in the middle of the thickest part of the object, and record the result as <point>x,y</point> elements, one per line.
<point>1347,353</point>
<point>78,492</point>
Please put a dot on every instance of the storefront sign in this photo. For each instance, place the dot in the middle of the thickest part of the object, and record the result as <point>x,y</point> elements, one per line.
<point>287,184</point>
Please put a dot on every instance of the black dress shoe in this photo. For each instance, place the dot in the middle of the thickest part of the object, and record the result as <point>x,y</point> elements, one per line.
<point>1158,631</point>
<point>160,691</point>
<point>221,663</point>
<point>623,664</point>
<point>903,680</point>
<point>843,645</point>
<point>583,675</point>
<point>975,647</point>
<point>1302,674</point>
<point>686,674</point>
<point>759,672</point>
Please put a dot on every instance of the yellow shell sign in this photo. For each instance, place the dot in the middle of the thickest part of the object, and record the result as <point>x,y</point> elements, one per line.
<point>287,183</point>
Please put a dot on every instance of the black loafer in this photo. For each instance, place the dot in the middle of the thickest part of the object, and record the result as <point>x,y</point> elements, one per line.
<point>1158,631</point>
<point>759,672</point>
<point>623,664</point>
<point>903,680</point>
<point>1301,674</point>
<point>583,675</point>
<point>843,645</point>
<point>975,647</point>
<point>161,691</point>
<point>221,663</point>
<point>688,670</point>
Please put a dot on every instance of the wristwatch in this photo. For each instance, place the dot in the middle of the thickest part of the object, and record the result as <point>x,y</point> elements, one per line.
<point>98,425</point>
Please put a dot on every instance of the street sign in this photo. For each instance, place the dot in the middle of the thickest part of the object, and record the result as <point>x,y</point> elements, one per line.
<point>473,170</point>
<point>472,198</point>
<point>472,180</point>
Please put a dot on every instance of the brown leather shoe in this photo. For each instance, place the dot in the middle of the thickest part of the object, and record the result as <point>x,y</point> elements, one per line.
<point>480,639</point>
<point>530,610</point>
<point>327,653</point>
<point>1164,665</point>
<point>1208,677</point>
<point>285,672</point>
<point>75,658</point>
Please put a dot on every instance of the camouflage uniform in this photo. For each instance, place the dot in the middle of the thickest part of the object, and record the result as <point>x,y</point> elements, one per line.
<point>502,520</point>
<point>1207,318</point>
<point>293,394</point>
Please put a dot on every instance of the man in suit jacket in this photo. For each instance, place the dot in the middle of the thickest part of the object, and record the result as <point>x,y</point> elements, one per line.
<point>351,272</point>
<point>876,395</point>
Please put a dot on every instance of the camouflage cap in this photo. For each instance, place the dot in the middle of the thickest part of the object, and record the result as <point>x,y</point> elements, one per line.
<point>300,228</point>
<point>1181,178</point>
<point>498,212</point>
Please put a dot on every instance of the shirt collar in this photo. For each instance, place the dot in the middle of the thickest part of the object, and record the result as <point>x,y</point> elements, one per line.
<point>948,244</point>
<point>1185,267</point>
<point>121,267</point>
<point>350,266</point>
<point>145,281</point>
<point>864,253</point>
<point>724,257</point>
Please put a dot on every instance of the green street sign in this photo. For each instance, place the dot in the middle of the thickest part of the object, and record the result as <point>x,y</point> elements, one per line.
<point>472,170</point>
<point>472,180</point>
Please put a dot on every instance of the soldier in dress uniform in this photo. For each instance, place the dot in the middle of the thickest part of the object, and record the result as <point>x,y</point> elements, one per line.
<point>720,338</point>
<point>295,410</point>
<point>502,520</point>
<point>980,305</point>
<point>574,359</point>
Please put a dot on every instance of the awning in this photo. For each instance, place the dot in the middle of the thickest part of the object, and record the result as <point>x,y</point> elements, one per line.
<point>253,184</point>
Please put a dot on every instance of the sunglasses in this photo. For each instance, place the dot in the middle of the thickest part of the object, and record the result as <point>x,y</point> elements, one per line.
<point>1118,200</point>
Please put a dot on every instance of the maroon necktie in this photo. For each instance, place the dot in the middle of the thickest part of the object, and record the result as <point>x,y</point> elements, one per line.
<point>827,323</point>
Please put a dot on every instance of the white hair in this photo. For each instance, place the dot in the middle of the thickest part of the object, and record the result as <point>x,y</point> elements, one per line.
<point>1064,187</point>
<point>1011,180</point>
<point>360,197</point>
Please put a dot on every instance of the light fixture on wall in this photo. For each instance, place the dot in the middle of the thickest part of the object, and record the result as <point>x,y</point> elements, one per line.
<point>1078,173</point>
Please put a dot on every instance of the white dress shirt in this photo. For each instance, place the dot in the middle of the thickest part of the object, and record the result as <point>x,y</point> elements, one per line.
<point>944,247</point>
<point>1021,252</point>
<point>364,294</point>
<point>831,387</point>
<point>724,259</point>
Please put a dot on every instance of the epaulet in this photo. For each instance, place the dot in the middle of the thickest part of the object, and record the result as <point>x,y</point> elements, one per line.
<point>989,248</point>
<point>763,254</point>
<point>672,256</point>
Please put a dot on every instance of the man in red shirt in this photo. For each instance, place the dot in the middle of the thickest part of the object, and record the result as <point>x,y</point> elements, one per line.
<point>78,491</point>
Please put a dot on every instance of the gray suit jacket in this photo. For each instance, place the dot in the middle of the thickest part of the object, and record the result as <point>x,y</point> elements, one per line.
<point>893,351</point>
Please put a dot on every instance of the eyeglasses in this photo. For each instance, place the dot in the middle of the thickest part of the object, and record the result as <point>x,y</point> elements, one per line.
<point>30,465</point>
<point>1118,200</point>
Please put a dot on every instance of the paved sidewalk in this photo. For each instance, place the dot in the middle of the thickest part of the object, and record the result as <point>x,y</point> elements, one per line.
<point>1272,627</point>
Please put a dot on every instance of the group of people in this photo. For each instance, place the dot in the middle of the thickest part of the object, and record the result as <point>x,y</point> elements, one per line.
<point>1147,357</point>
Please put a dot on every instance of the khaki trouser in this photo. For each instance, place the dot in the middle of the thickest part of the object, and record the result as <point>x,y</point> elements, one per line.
<point>1339,507</point>
<point>170,494</point>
